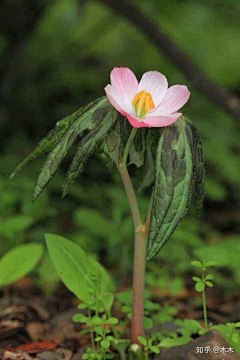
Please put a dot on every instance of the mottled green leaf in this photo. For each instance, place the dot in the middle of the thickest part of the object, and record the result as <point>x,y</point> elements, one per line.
<point>91,117</point>
<point>198,168</point>
<point>137,150</point>
<point>48,142</point>
<point>106,116</point>
<point>145,174</point>
<point>172,185</point>
<point>111,149</point>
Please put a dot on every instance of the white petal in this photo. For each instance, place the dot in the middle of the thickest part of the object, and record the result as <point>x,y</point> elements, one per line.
<point>116,99</point>
<point>175,98</point>
<point>156,84</point>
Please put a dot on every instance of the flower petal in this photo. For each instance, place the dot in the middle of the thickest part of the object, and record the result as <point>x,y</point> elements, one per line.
<point>115,99</point>
<point>160,121</point>
<point>156,84</point>
<point>125,82</point>
<point>176,97</point>
<point>135,123</point>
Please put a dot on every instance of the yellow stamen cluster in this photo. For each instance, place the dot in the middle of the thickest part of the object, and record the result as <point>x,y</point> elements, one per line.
<point>143,103</point>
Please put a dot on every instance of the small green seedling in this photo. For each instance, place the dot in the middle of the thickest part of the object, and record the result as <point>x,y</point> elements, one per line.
<point>200,285</point>
<point>148,346</point>
<point>229,332</point>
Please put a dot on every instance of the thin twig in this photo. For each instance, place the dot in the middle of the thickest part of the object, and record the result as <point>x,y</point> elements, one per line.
<point>220,96</point>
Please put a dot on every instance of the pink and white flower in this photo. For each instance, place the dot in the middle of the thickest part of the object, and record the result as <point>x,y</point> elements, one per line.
<point>149,103</point>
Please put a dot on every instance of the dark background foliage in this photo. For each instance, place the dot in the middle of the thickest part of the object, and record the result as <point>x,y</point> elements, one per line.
<point>56,57</point>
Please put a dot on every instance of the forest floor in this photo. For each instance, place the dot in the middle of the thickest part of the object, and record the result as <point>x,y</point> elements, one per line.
<point>34,326</point>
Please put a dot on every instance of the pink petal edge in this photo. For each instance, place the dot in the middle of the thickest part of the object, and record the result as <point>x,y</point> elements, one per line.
<point>125,82</point>
<point>115,99</point>
<point>161,121</point>
<point>133,121</point>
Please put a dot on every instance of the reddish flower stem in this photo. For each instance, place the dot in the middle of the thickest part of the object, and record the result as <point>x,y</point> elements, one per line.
<point>141,234</point>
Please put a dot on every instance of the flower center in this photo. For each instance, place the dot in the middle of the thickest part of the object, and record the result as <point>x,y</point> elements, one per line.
<point>143,103</point>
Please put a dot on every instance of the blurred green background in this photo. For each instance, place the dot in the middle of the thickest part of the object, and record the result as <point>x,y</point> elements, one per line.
<point>56,57</point>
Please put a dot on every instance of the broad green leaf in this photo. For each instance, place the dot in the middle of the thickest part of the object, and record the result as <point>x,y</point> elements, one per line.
<point>196,263</point>
<point>77,269</point>
<point>172,186</point>
<point>47,278</point>
<point>198,168</point>
<point>15,224</point>
<point>125,297</point>
<point>86,217</point>
<point>92,118</point>
<point>147,323</point>
<point>18,262</point>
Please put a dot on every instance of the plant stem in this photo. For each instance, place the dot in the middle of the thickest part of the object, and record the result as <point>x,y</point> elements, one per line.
<point>130,195</point>
<point>138,283</point>
<point>128,145</point>
<point>122,354</point>
<point>204,305</point>
<point>149,210</point>
<point>104,337</point>
<point>91,331</point>
<point>141,232</point>
<point>113,327</point>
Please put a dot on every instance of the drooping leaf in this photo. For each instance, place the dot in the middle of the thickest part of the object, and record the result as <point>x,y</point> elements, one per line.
<point>104,117</point>
<point>77,269</point>
<point>137,150</point>
<point>145,174</point>
<point>92,118</point>
<point>198,168</point>
<point>111,149</point>
<point>18,262</point>
<point>172,185</point>
<point>48,143</point>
